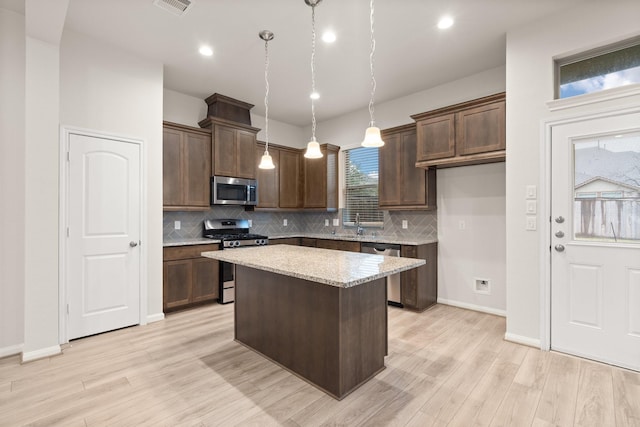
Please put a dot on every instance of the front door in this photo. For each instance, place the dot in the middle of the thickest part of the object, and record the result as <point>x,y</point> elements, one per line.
<point>595,239</point>
<point>103,276</point>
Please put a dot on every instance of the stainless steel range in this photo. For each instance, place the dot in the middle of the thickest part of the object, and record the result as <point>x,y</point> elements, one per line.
<point>234,233</point>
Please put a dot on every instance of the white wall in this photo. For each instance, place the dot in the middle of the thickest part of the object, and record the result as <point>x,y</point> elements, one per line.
<point>109,90</point>
<point>475,249</point>
<point>530,79</point>
<point>189,110</point>
<point>12,177</point>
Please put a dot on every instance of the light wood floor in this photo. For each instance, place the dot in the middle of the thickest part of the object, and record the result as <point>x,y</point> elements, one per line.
<point>446,366</point>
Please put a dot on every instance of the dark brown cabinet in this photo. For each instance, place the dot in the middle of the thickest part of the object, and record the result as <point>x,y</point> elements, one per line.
<point>294,241</point>
<point>321,180</point>
<point>419,286</point>
<point>469,133</point>
<point>279,188</point>
<point>402,185</point>
<point>234,147</point>
<point>188,278</point>
<point>338,245</point>
<point>186,167</point>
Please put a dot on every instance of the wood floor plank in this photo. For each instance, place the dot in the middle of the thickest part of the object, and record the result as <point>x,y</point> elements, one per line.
<point>445,366</point>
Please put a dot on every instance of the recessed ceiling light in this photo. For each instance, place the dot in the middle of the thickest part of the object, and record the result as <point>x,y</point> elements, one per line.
<point>445,22</point>
<point>329,36</point>
<point>314,95</point>
<point>205,51</point>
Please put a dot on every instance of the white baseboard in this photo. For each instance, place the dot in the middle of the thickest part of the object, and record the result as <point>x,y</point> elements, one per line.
<point>519,339</point>
<point>10,350</point>
<point>473,307</point>
<point>155,317</point>
<point>30,356</point>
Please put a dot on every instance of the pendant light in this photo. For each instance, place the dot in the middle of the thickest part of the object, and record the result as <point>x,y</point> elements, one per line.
<point>313,148</point>
<point>372,136</point>
<point>266,162</point>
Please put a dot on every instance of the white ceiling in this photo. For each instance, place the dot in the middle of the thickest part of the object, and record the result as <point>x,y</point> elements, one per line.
<point>411,55</point>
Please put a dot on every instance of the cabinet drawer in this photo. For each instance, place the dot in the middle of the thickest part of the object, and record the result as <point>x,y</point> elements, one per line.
<point>186,252</point>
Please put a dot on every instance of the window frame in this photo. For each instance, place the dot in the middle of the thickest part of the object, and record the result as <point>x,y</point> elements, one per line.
<point>343,165</point>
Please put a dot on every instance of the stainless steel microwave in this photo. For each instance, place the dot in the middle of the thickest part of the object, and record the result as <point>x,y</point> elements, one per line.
<point>233,191</point>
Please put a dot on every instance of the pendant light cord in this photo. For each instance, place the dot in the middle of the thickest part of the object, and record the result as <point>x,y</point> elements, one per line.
<point>313,72</point>
<point>373,51</point>
<point>266,95</point>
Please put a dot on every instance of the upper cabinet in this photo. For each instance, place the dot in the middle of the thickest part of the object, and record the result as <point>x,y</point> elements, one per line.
<point>469,133</point>
<point>268,182</point>
<point>186,170</point>
<point>234,147</point>
<point>402,185</point>
<point>321,180</point>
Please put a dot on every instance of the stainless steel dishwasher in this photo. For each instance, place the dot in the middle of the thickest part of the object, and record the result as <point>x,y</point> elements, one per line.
<point>393,281</point>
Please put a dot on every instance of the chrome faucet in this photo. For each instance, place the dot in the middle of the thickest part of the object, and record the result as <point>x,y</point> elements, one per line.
<point>359,229</point>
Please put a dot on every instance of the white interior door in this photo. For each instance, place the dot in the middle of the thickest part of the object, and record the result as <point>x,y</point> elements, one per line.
<point>103,262</point>
<point>595,239</point>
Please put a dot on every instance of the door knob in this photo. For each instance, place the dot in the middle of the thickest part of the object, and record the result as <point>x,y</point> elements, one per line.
<point>560,219</point>
<point>559,234</point>
<point>559,248</point>
<point>133,244</point>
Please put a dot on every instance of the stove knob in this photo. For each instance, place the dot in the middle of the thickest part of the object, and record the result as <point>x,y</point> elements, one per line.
<point>236,243</point>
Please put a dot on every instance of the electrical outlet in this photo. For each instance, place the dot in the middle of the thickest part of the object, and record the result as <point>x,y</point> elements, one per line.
<point>336,222</point>
<point>250,223</point>
<point>531,223</point>
<point>482,286</point>
<point>326,222</point>
<point>177,225</point>
<point>285,222</point>
<point>405,224</point>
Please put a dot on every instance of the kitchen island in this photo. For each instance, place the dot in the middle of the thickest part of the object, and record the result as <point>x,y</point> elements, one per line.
<point>319,313</point>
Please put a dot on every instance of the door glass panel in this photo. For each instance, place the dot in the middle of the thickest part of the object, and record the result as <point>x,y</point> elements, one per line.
<point>606,205</point>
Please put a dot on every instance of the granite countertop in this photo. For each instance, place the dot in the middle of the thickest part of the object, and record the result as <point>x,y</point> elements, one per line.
<point>413,241</point>
<point>186,242</point>
<point>330,267</point>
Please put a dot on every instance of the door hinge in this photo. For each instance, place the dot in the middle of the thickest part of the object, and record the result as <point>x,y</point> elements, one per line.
<point>67,231</point>
<point>68,156</point>
<point>67,308</point>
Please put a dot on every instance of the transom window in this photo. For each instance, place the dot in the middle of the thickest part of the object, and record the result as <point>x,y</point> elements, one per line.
<point>598,70</point>
<point>361,187</point>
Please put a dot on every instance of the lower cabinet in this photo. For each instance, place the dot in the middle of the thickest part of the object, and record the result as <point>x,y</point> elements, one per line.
<point>419,286</point>
<point>294,241</point>
<point>188,278</point>
<point>339,245</point>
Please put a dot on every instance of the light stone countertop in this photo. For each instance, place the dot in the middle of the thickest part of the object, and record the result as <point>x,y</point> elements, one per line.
<point>330,267</point>
<point>411,241</point>
<point>186,242</point>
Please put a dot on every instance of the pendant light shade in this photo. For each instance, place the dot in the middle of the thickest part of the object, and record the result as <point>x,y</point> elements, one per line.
<point>372,136</point>
<point>266,162</point>
<point>313,148</point>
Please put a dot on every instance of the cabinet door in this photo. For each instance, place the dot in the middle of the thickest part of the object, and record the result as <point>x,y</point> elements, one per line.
<point>197,169</point>
<point>315,182</point>
<point>177,283</point>
<point>389,193</point>
<point>224,153</point>
<point>306,241</point>
<point>171,167</point>
<point>245,149</point>
<point>290,179</point>
<point>268,179</point>
<point>294,241</point>
<point>436,137</point>
<point>413,178</point>
<point>409,279</point>
<point>481,129</point>
<point>206,279</point>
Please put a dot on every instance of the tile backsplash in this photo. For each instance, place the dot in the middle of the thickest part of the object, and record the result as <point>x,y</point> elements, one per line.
<point>419,223</point>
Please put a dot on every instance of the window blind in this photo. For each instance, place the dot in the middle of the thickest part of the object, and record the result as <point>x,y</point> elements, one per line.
<point>361,187</point>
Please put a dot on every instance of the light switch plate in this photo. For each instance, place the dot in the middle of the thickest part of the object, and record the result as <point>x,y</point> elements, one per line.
<point>405,224</point>
<point>532,192</point>
<point>177,225</point>
<point>326,222</point>
<point>531,207</point>
<point>285,222</point>
<point>531,223</point>
<point>336,222</point>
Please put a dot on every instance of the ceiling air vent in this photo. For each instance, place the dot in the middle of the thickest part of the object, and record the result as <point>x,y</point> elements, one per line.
<point>176,7</point>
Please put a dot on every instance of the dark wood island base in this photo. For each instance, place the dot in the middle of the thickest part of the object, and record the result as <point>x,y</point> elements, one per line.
<point>335,338</point>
